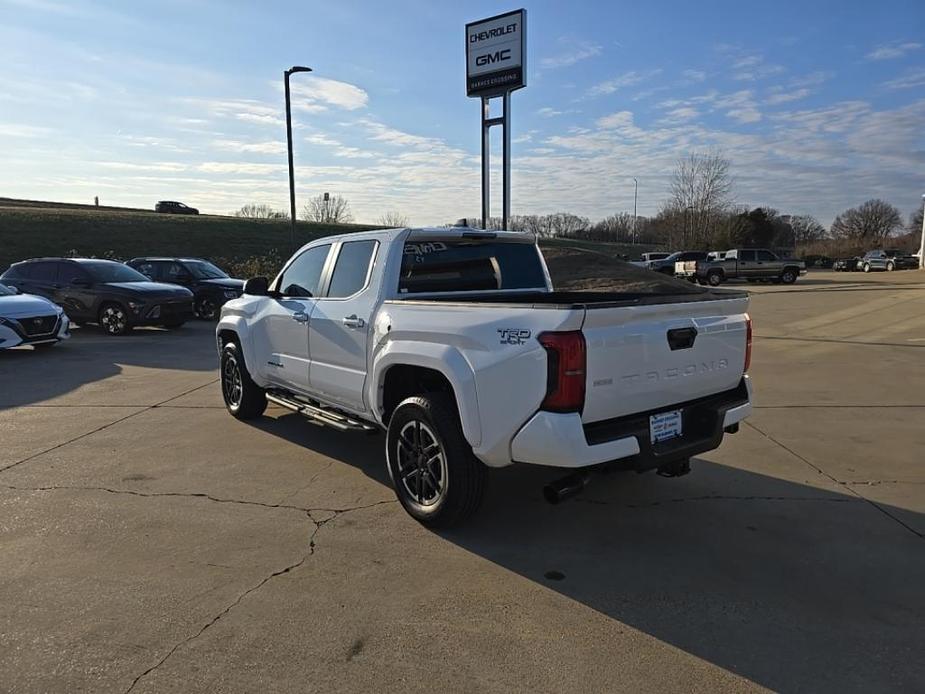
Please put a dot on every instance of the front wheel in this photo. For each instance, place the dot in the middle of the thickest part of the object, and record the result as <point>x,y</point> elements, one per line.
<point>243,398</point>
<point>206,308</point>
<point>866,267</point>
<point>890,267</point>
<point>114,320</point>
<point>788,277</point>
<point>437,479</point>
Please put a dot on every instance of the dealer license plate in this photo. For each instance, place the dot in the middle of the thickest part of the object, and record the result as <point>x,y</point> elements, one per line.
<point>664,426</point>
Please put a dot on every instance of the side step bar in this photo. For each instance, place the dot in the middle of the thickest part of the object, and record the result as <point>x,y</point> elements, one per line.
<point>329,418</point>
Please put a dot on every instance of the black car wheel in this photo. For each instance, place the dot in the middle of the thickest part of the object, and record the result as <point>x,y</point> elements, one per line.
<point>243,398</point>
<point>113,319</point>
<point>866,267</point>
<point>437,478</point>
<point>788,277</point>
<point>890,267</point>
<point>714,278</point>
<point>206,308</point>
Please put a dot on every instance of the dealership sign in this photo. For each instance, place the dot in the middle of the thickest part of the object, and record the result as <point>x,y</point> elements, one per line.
<point>495,54</point>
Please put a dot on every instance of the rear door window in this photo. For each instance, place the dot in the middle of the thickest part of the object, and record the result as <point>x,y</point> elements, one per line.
<point>747,256</point>
<point>351,269</point>
<point>68,272</point>
<point>469,265</point>
<point>765,256</point>
<point>42,272</point>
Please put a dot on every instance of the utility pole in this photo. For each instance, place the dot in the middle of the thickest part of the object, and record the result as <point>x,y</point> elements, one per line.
<point>635,196</point>
<point>922,244</point>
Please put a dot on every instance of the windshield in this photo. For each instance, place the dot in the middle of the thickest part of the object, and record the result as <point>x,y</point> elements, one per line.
<point>6,291</point>
<point>204,270</point>
<point>109,271</point>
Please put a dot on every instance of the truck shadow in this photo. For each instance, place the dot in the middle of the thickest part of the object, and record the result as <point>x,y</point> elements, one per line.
<point>29,376</point>
<point>789,585</point>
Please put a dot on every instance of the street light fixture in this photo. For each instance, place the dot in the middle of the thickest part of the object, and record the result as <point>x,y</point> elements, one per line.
<point>286,74</point>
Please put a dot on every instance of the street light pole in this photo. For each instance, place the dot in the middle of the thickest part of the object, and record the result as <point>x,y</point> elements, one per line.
<point>635,196</point>
<point>286,74</point>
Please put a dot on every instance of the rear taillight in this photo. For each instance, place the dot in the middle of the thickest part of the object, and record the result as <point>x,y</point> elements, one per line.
<point>748,342</point>
<point>565,374</point>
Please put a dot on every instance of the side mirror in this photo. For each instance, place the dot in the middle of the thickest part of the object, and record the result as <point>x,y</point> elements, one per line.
<point>257,286</point>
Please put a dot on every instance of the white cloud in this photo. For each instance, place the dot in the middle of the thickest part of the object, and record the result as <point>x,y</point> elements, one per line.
<point>578,52</point>
<point>741,105</point>
<point>313,93</point>
<point>681,115</point>
<point>912,78</point>
<point>620,119</point>
<point>750,68</point>
<point>778,96</point>
<point>627,79</point>
<point>269,147</point>
<point>547,112</point>
<point>22,130</point>
<point>894,49</point>
<point>694,76</point>
<point>225,167</point>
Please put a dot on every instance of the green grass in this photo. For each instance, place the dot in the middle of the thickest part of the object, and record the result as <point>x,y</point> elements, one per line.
<point>31,232</point>
<point>32,229</point>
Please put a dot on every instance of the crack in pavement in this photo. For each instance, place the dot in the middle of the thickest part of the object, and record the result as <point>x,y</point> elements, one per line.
<point>196,495</point>
<point>847,487</point>
<point>718,497</point>
<point>147,408</point>
<point>318,525</point>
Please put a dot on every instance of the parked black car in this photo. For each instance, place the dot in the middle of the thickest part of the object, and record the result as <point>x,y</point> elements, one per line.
<point>174,207</point>
<point>845,264</point>
<point>111,294</point>
<point>210,285</point>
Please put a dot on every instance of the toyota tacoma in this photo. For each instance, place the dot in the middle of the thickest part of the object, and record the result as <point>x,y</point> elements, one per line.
<point>456,344</point>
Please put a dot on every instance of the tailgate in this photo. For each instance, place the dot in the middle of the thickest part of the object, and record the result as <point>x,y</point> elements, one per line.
<point>643,358</point>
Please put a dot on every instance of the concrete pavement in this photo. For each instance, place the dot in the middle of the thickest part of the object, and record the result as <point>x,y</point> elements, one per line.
<point>150,542</point>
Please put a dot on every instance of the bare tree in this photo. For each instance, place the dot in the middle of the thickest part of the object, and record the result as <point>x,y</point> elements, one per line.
<point>807,229</point>
<point>701,190</point>
<point>870,222</point>
<point>333,210</point>
<point>255,211</point>
<point>915,222</point>
<point>394,220</point>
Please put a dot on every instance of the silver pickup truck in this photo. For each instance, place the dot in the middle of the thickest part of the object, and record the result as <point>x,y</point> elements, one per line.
<point>750,264</point>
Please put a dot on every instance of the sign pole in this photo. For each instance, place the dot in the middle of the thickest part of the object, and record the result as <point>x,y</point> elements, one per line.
<point>506,164</point>
<point>496,66</point>
<point>486,154</point>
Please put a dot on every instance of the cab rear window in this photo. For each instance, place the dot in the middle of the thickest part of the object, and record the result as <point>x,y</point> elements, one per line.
<point>469,265</point>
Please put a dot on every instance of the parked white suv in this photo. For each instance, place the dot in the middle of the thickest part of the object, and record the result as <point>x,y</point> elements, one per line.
<point>455,342</point>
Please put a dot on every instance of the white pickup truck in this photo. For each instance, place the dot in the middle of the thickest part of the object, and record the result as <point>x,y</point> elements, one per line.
<point>455,343</point>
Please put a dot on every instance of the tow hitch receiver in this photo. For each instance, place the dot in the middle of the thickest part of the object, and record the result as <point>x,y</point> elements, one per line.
<point>675,469</point>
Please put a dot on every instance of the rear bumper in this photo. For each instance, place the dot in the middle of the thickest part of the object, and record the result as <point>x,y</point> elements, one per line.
<point>561,440</point>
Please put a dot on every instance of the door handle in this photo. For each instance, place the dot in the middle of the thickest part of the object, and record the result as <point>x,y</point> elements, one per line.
<point>354,322</point>
<point>300,317</point>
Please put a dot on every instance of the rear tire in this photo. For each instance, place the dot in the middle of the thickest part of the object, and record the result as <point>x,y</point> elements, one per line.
<point>866,267</point>
<point>437,479</point>
<point>890,267</point>
<point>714,278</point>
<point>243,398</point>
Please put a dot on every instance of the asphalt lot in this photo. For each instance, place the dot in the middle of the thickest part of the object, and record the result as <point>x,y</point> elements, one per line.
<point>150,542</point>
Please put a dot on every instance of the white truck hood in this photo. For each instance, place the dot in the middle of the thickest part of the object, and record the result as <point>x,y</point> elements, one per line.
<point>26,305</point>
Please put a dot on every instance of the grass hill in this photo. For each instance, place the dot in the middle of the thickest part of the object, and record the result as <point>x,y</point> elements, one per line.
<point>30,229</point>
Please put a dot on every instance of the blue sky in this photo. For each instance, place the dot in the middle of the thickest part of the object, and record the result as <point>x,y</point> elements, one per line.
<point>819,105</point>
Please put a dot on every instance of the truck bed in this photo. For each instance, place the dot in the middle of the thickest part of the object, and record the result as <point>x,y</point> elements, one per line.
<point>580,299</point>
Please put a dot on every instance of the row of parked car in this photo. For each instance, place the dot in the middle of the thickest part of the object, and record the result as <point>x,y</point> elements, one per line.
<point>40,298</point>
<point>716,267</point>
<point>888,259</point>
